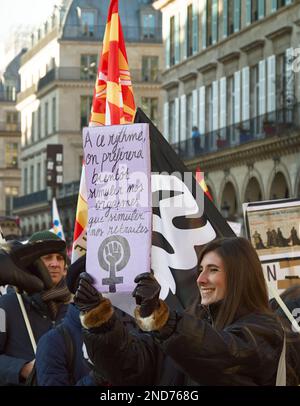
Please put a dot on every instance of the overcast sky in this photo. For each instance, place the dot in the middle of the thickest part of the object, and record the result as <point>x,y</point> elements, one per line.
<point>14,13</point>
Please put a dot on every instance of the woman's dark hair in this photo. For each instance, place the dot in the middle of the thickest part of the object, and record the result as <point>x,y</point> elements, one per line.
<point>246,289</point>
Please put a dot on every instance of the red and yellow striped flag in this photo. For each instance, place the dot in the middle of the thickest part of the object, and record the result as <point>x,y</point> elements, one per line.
<point>113,103</point>
<point>202,183</point>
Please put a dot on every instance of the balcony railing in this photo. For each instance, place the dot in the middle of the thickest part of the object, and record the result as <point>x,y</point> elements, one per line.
<point>96,32</point>
<point>31,199</point>
<point>10,127</point>
<point>68,189</point>
<point>7,97</point>
<point>77,73</point>
<point>277,123</point>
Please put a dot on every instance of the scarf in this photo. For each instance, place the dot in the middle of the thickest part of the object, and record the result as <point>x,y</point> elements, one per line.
<point>55,297</point>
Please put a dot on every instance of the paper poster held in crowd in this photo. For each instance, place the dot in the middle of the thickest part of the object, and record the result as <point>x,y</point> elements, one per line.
<point>273,227</point>
<point>117,165</point>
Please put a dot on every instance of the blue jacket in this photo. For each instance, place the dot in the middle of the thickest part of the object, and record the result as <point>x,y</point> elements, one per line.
<point>15,346</point>
<point>51,355</point>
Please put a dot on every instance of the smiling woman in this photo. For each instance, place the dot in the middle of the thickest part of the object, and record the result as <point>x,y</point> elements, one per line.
<point>230,338</point>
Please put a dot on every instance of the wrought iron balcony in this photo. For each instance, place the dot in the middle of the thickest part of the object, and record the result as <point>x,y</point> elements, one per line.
<point>277,123</point>
<point>96,32</point>
<point>68,189</point>
<point>7,96</point>
<point>31,199</point>
<point>10,127</point>
<point>81,74</point>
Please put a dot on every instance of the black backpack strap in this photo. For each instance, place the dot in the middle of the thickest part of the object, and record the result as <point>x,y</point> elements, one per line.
<point>70,350</point>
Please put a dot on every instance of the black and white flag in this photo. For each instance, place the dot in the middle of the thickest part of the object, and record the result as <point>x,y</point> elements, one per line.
<point>184,219</point>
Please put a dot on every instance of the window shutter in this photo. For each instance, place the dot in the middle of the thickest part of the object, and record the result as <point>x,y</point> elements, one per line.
<point>183,117</point>
<point>177,38</point>
<point>202,110</point>
<point>176,135</point>
<point>246,94</point>
<point>166,122</point>
<point>215,96</point>
<point>290,82</point>
<point>271,65</point>
<point>223,105</point>
<point>195,108</point>
<point>167,39</point>
<point>237,97</point>
<point>262,87</point>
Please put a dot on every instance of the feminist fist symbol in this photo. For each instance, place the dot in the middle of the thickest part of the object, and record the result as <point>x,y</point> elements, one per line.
<point>113,255</point>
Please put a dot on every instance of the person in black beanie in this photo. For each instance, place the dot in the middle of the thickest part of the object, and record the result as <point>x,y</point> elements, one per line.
<point>43,310</point>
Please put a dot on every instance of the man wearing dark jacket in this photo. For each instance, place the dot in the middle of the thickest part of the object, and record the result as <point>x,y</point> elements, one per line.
<point>43,308</point>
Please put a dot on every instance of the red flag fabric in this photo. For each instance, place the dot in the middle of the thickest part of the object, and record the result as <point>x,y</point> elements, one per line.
<point>201,181</point>
<point>113,103</point>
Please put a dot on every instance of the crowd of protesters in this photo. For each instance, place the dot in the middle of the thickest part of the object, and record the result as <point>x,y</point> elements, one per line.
<point>56,329</point>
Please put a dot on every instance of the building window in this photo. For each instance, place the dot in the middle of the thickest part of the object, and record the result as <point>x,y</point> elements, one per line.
<point>25,181</point>
<point>88,66</point>
<point>38,177</point>
<point>189,31</point>
<point>10,193</point>
<point>10,92</point>
<point>53,115</point>
<point>46,119</point>
<point>80,165</point>
<point>172,41</point>
<point>232,16</point>
<point>172,121</point>
<point>33,126</point>
<point>230,100</point>
<point>150,107</point>
<point>87,20</point>
<point>254,99</point>
<point>254,10</point>
<point>31,179</point>
<point>189,115</point>
<point>39,124</point>
<point>150,68</point>
<point>11,155</point>
<point>85,110</point>
<point>212,21</point>
<point>148,26</point>
<point>12,118</point>
<point>209,109</point>
<point>282,3</point>
<point>280,80</point>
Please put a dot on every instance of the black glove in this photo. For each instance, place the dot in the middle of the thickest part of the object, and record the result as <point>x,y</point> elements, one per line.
<point>11,274</point>
<point>87,297</point>
<point>74,270</point>
<point>146,293</point>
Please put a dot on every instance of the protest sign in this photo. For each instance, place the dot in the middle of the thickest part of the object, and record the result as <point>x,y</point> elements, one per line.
<point>117,165</point>
<point>274,229</point>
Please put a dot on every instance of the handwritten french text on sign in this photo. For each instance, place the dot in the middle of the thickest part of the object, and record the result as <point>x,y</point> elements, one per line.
<point>117,164</point>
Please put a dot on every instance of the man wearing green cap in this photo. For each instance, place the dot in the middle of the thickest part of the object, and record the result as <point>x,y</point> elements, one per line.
<point>44,310</point>
<point>54,262</point>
